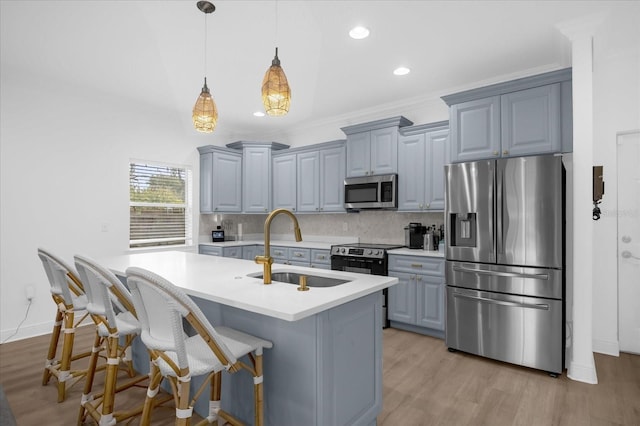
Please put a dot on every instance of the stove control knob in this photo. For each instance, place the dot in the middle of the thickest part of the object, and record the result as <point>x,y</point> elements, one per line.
<point>376,252</point>
<point>369,252</point>
<point>342,250</point>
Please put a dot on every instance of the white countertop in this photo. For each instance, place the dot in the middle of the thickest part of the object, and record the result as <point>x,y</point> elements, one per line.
<point>225,281</point>
<point>287,243</point>
<point>416,252</point>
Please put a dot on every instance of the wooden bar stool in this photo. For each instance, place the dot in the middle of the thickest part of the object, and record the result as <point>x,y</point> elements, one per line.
<point>67,292</point>
<point>161,308</point>
<point>110,304</point>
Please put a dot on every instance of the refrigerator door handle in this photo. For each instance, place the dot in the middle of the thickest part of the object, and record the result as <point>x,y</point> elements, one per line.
<point>499,208</point>
<point>501,274</point>
<point>542,306</point>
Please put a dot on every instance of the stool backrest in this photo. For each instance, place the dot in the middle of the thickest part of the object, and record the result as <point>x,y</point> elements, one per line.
<point>63,279</point>
<point>161,308</point>
<point>106,294</point>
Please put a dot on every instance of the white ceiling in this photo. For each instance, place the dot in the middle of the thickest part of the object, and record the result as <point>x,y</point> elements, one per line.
<point>154,50</point>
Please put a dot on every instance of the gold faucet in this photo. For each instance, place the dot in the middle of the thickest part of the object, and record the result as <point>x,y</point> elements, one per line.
<point>266,259</point>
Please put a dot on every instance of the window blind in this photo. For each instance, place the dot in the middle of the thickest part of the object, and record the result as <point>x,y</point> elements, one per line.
<point>159,205</point>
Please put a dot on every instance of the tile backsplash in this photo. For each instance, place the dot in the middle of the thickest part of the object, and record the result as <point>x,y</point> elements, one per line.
<point>374,226</point>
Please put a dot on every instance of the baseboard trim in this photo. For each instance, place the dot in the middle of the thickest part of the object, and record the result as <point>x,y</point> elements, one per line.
<point>582,373</point>
<point>606,347</point>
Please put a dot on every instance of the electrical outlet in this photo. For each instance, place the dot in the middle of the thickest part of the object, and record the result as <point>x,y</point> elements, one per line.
<point>30,292</point>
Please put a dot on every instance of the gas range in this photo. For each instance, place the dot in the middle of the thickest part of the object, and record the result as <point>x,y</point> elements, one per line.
<point>363,250</point>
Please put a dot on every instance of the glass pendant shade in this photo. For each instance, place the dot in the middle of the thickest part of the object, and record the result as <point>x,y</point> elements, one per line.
<point>276,94</point>
<point>205,113</point>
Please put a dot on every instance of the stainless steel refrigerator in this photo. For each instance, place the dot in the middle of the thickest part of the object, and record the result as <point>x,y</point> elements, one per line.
<point>505,258</point>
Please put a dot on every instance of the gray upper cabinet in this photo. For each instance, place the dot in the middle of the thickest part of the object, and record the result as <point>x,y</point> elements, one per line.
<point>256,174</point>
<point>310,180</point>
<point>372,147</point>
<point>220,180</point>
<point>422,153</point>
<point>528,116</point>
<point>284,182</point>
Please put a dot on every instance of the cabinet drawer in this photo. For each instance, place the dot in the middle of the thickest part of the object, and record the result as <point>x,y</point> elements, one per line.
<point>232,252</point>
<point>320,256</point>
<point>210,250</point>
<point>417,265</point>
<point>299,255</point>
<point>279,253</point>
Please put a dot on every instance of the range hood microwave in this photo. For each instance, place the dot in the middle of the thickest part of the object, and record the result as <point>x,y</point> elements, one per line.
<point>371,192</point>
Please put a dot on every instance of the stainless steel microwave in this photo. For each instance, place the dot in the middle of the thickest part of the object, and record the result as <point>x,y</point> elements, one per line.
<point>371,192</point>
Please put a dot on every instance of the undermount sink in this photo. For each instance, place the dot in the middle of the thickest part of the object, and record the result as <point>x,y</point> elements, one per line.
<point>290,277</point>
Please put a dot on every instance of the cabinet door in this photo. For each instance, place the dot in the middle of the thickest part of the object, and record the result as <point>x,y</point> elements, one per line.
<point>206,182</point>
<point>235,252</point>
<point>358,154</point>
<point>430,298</point>
<point>284,182</point>
<point>249,252</point>
<point>332,173</point>
<point>308,195</point>
<point>531,121</point>
<point>475,129</point>
<point>210,250</point>
<point>226,181</point>
<point>402,299</point>
<point>437,144</point>
<point>411,170</point>
<point>256,182</point>
<point>384,151</point>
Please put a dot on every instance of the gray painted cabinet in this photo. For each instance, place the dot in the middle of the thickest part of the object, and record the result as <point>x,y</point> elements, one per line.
<point>372,148</point>
<point>422,153</point>
<point>220,180</point>
<point>310,180</point>
<point>256,179</point>
<point>528,116</point>
<point>417,302</point>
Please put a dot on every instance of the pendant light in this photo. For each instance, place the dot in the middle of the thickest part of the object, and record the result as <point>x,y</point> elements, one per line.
<point>205,113</point>
<point>276,94</point>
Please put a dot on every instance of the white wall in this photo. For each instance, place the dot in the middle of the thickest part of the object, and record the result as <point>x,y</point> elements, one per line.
<point>65,151</point>
<point>616,108</point>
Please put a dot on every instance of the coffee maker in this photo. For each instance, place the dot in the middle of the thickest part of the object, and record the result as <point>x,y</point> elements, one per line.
<point>414,235</point>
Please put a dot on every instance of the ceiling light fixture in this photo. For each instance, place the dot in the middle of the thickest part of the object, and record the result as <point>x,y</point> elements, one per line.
<point>401,71</point>
<point>258,114</point>
<point>205,113</point>
<point>359,33</point>
<point>276,94</point>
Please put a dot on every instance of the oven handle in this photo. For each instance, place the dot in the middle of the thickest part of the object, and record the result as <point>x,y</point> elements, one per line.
<point>542,306</point>
<point>501,274</point>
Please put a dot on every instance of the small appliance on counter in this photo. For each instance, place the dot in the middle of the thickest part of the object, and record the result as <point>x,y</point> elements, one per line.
<point>217,235</point>
<point>414,235</point>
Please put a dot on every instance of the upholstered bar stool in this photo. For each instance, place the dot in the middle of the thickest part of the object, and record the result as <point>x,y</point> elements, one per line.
<point>161,308</point>
<point>67,292</point>
<point>110,304</point>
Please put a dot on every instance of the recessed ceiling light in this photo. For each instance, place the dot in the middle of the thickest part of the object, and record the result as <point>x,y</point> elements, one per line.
<point>258,114</point>
<point>401,71</point>
<point>359,33</point>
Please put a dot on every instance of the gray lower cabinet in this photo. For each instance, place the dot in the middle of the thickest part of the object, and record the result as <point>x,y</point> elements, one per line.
<point>320,259</point>
<point>528,116</point>
<point>417,302</point>
<point>422,153</point>
<point>250,252</point>
<point>235,252</point>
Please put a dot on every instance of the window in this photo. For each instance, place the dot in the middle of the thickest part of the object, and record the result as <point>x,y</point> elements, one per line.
<point>159,205</point>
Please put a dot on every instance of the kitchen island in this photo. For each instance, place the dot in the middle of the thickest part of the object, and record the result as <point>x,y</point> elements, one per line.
<point>325,367</point>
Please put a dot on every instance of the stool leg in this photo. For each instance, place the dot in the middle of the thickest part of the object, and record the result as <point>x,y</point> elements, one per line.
<point>258,392</point>
<point>91,372</point>
<point>67,353</point>
<point>53,346</point>
<point>155,377</point>
<point>183,398</point>
<point>216,392</point>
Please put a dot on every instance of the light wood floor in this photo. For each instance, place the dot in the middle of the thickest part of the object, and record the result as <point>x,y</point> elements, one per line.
<point>424,384</point>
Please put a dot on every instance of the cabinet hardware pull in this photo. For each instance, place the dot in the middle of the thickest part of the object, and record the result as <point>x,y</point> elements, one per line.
<point>416,265</point>
<point>495,152</point>
<point>505,152</point>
